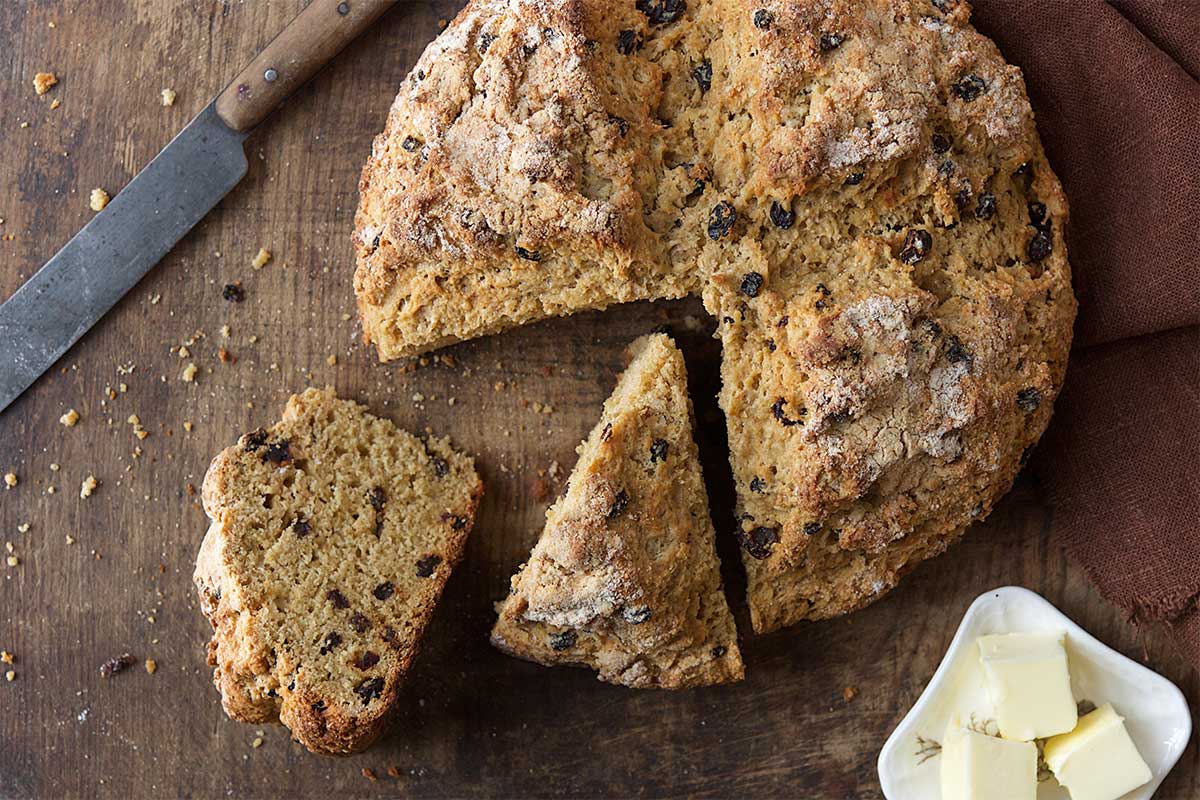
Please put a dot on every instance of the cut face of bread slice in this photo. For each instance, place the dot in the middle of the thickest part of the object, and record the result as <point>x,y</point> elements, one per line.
<point>625,577</point>
<point>332,534</point>
<point>855,187</point>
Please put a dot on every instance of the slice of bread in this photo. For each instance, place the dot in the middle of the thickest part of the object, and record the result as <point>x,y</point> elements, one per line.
<point>625,577</point>
<point>332,535</point>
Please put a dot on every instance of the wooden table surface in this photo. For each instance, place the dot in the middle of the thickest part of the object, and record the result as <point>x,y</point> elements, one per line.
<point>111,573</point>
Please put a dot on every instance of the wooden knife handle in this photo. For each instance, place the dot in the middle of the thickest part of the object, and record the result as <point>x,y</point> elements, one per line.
<point>314,37</point>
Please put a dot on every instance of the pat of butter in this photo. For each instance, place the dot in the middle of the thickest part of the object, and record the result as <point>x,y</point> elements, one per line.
<point>1097,760</point>
<point>976,766</point>
<point>1028,682</point>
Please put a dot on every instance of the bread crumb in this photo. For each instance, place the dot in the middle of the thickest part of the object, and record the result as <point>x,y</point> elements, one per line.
<point>70,418</point>
<point>331,361</point>
<point>10,676</point>
<point>369,774</point>
<point>54,467</point>
<point>12,561</point>
<point>138,430</point>
<point>23,527</point>
<point>89,485</point>
<point>99,199</point>
<point>849,693</point>
<point>187,425</point>
<point>262,258</point>
<point>43,81</point>
<point>189,373</point>
<point>151,665</point>
<point>6,657</point>
<point>225,331</point>
<point>258,742</point>
<point>10,479</point>
<point>55,103</point>
<point>225,356</point>
<point>393,772</point>
<point>168,97</point>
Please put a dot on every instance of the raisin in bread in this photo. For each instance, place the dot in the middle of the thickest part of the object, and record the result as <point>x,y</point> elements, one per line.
<point>855,188</point>
<point>332,534</point>
<point>625,577</point>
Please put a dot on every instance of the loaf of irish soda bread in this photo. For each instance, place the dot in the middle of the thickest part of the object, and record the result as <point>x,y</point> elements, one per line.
<point>332,534</point>
<point>625,578</point>
<point>855,188</point>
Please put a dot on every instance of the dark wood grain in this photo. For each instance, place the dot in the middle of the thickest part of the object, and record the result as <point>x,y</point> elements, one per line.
<point>474,721</point>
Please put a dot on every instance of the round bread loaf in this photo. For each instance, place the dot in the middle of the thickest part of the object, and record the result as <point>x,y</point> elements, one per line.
<point>855,188</point>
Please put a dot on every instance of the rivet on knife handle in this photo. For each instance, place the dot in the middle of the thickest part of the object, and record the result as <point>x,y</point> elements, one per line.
<point>314,37</point>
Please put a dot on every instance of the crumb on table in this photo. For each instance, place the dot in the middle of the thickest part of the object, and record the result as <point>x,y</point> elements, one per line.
<point>10,479</point>
<point>89,485</point>
<point>43,81</point>
<point>99,199</point>
<point>168,97</point>
<point>261,259</point>
<point>70,418</point>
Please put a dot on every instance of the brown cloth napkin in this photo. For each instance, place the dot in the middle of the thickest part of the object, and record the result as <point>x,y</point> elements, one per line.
<point>1116,89</point>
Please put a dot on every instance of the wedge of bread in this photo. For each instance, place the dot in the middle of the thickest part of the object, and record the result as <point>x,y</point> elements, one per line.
<point>625,577</point>
<point>332,534</point>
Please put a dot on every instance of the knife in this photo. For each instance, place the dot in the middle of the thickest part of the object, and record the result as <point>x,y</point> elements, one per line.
<point>94,270</point>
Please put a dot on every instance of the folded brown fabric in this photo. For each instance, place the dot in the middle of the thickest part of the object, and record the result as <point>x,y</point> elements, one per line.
<point>1116,91</point>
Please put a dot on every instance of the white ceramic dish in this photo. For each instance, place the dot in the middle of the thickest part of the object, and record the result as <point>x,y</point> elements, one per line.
<point>1155,711</point>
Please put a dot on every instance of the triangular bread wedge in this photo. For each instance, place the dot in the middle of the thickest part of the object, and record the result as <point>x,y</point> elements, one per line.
<point>625,578</point>
<point>332,535</point>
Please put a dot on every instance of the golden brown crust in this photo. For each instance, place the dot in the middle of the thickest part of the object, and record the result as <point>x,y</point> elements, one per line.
<point>331,537</point>
<point>625,577</point>
<point>855,187</point>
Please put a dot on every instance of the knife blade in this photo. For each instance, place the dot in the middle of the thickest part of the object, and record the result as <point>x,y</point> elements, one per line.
<point>139,226</point>
<point>94,270</point>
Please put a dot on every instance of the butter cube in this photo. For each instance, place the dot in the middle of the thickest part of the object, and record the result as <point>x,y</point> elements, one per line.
<point>1028,682</point>
<point>976,766</point>
<point>1097,760</point>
